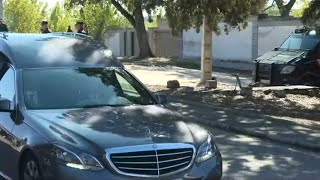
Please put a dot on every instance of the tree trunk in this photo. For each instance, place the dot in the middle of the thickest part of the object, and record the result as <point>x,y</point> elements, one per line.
<point>142,35</point>
<point>206,54</point>
<point>285,9</point>
<point>285,12</point>
<point>82,15</point>
<point>1,9</point>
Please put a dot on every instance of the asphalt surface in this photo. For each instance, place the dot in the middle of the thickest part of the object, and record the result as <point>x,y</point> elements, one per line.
<point>245,157</point>
<point>251,158</point>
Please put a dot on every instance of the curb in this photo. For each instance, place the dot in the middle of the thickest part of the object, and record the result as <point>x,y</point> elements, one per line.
<point>243,131</point>
<point>226,127</point>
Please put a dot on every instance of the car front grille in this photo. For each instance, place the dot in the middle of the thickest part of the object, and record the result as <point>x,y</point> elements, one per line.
<point>265,71</point>
<point>151,160</point>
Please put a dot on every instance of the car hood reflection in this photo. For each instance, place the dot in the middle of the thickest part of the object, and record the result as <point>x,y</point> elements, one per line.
<point>108,127</point>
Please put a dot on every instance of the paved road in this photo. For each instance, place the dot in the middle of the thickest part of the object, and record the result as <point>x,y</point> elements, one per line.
<point>186,77</point>
<point>251,158</point>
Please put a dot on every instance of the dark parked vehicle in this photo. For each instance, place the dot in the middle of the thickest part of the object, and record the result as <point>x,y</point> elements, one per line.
<point>69,110</point>
<point>295,62</point>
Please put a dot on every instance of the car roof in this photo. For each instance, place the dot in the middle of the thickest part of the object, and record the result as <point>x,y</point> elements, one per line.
<point>55,50</point>
<point>306,36</point>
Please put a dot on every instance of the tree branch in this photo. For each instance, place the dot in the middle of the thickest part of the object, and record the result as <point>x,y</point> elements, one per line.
<point>279,3</point>
<point>290,4</point>
<point>124,12</point>
<point>272,4</point>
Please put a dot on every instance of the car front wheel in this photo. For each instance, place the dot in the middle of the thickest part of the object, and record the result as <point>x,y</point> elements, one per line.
<point>30,169</point>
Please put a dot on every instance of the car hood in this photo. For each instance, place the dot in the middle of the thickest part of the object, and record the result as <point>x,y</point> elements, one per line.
<point>115,127</point>
<point>280,57</point>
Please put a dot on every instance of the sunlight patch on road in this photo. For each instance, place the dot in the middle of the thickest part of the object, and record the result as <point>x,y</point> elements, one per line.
<point>179,105</point>
<point>246,139</point>
<point>308,122</point>
<point>255,164</point>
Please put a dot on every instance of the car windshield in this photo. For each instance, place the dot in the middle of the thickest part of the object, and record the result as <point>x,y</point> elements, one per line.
<point>300,43</point>
<point>82,88</point>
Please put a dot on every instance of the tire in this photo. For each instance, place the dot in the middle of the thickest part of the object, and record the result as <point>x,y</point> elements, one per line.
<point>29,168</point>
<point>310,81</point>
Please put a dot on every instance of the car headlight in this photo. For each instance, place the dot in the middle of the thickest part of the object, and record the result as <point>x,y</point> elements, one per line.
<point>288,70</point>
<point>79,161</point>
<point>206,151</point>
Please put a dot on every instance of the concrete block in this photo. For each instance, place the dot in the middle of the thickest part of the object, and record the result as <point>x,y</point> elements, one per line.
<point>174,84</point>
<point>280,94</point>
<point>211,84</point>
<point>246,91</point>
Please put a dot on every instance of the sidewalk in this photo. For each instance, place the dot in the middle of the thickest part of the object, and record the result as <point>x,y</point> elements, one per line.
<point>287,130</point>
<point>156,75</point>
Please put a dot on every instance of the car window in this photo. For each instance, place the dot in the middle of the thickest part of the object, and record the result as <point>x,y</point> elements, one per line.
<point>80,88</point>
<point>126,87</point>
<point>300,43</point>
<point>7,87</point>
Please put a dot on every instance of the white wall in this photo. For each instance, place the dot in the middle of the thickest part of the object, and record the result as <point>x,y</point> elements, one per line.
<point>113,42</point>
<point>272,37</point>
<point>236,46</point>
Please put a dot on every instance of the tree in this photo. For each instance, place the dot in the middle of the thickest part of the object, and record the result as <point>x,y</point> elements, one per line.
<point>285,8</point>
<point>302,4</point>
<point>100,17</point>
<point>62,17</point>
<point>132,11</point>
<point>312,14</point>
<point>23,15</point>
<point>1,9</point>
<point>185,14</point>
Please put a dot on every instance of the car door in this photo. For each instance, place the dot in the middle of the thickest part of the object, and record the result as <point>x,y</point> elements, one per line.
<point>7,91</point>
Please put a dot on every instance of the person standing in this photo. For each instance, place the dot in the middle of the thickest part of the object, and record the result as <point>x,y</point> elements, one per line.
<point>80,28</point>
<point>45,27</point>
<point>69,29</point>
<point>3,26</point>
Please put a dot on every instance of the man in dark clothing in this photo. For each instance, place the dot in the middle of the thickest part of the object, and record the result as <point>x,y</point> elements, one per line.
<point>44,27</point>
<point>69,29</point>
<point>3,27</point>
<point>80,28</point>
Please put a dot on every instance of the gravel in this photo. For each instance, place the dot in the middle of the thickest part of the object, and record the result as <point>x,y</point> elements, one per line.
<point>290,106</point>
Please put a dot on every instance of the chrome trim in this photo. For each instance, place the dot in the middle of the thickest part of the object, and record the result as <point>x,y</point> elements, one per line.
<point>173,166</point>
<point>134,156</point>
<point>171,160</point>
<point>4,176</point>
<point>151,147</point>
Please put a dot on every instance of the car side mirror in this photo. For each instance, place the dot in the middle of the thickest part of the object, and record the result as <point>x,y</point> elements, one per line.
<point>161,98</point>
<point>5,105</point>
<point>276,49</point>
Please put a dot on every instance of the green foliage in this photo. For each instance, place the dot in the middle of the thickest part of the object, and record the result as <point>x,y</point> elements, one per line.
<point>100,17</point>
<point>312,14</point>
<point>185,14</point>
<point>61,18</point>
<point>23,15</point>
<point>302,5</point>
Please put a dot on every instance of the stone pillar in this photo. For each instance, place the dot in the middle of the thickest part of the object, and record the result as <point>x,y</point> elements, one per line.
<point>255,40</point>
<point>206,52</point>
